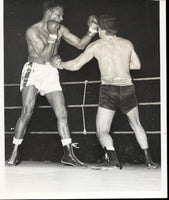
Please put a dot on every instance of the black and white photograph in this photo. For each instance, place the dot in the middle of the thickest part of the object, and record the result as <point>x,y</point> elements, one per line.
<point>83,99</point>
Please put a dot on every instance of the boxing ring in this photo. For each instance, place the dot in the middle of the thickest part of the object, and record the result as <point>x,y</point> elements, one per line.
<point>73,182</point>
<point>42,176</point>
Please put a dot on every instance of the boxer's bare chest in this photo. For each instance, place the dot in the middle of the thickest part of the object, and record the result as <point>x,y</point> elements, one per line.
<point>44,35</point>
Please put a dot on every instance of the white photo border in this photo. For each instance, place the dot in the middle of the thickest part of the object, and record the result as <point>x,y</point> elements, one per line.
<point>151,194</point>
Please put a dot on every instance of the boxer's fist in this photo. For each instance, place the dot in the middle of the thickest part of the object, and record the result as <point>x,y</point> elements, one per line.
<point>52,27</point>
<point>56,62</point>
<point>93,25</point>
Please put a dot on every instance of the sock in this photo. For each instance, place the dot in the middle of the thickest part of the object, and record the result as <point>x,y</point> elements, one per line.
<point>110,148</point>
<point>17,141</point>
<point>66,141</point>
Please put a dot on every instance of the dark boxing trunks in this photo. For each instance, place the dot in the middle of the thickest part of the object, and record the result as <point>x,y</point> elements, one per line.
<point>114,97</point>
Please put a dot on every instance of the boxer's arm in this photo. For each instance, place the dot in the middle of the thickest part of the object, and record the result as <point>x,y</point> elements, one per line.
<point>44,51</point>
<point>134,61</point>
<point>74,40</point>
<point>82,59</point>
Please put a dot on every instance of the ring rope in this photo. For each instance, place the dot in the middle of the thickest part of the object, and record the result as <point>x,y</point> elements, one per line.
<point>83,82</point>
<point>78,106</point>
<point>80,132</point>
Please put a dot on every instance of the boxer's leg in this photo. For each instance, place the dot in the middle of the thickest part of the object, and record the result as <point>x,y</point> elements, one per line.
<point>29,95</point>
<point>104,119</point>
<point>134,121</point>
<point>56,100</point>
<point>103,124</point>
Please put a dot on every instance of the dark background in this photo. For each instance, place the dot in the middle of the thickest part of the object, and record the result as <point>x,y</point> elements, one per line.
<point>139,21</point>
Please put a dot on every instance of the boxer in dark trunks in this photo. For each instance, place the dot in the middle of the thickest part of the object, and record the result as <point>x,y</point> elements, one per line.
<point>116,57</point>
<point>115,97</point>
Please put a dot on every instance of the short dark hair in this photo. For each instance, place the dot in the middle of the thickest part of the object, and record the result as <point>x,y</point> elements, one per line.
<point>50,4</point>
<point>109,23</point>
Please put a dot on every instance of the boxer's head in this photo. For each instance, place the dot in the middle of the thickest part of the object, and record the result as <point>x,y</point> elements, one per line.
<point>53,10</point>
<point>109,24</point>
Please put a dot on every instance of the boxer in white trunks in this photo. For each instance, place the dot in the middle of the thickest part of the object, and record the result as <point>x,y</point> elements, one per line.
<point>39,76</point>
<point>116,57</point>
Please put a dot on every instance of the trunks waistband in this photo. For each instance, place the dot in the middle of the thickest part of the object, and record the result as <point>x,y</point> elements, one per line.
<point>36,60</point>
<point>118,81</point>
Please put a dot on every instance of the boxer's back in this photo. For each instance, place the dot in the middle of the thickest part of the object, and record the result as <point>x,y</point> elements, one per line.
<point>113,54</point>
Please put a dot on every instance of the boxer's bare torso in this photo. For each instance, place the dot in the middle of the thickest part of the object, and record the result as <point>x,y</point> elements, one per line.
<point>115,55</point>
<point>39,39</point>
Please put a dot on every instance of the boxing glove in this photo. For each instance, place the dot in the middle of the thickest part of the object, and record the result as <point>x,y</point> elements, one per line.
<point>56,62</point>
<point>93,25</point>
<point>52,27</point>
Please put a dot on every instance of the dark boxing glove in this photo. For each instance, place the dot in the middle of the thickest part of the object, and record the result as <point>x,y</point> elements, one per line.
<point>52,27</point>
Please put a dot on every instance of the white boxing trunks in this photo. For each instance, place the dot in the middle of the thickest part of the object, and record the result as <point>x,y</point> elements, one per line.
<point>44,77</point>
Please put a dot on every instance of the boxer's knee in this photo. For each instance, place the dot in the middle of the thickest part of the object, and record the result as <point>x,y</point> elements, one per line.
<point>26,113</point>
<point>135,123</point>
<point>62,114</point>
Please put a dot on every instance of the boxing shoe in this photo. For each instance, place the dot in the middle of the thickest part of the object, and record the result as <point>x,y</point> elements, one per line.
<point>69,158</point>
<point>111,157</point>
<point>14,159</point>
<point>108,165</point>
<point>111,161</point>
<point>151,165</point>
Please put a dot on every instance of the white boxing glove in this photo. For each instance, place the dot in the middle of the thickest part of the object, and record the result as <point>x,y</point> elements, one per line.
<point>56,62</point>
<point>93,25</point>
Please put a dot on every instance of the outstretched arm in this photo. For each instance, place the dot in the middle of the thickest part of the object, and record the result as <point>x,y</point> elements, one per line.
<point>83,42</point>
<point>134,62</point>
<point>82,59</point>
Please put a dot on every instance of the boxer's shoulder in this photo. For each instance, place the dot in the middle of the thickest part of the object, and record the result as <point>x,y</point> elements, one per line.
<point>63,28</point>
<point>35,28</point>
<point>125,41</point>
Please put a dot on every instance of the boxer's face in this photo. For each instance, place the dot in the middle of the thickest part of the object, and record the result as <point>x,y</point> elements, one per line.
<point>57,14</point>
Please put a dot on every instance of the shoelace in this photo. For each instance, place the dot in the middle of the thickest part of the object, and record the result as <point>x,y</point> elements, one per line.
<point>75,145</point>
